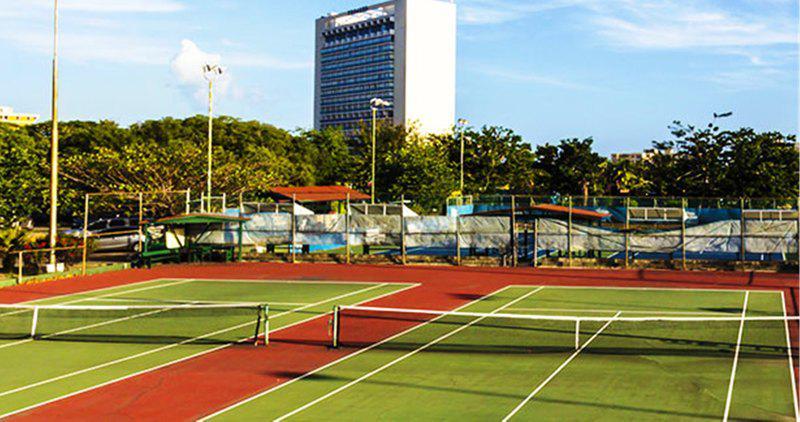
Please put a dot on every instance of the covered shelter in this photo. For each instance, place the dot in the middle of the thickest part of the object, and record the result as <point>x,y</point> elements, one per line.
<point>176,239</point>
<point>305,194</point>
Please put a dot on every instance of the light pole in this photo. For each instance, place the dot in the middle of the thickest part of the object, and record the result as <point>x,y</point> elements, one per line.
<point>462,124</point>
<point>375,104</point>
<point>54,144</point>
<point>211,72</point>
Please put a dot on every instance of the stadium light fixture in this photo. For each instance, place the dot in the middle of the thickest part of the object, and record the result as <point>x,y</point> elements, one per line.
<point>375,104</point>
<point>211,72</point>
<point>462,124</point>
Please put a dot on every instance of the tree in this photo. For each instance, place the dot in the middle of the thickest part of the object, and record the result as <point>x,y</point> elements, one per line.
<point>24,187</point>
<point>570,168</point>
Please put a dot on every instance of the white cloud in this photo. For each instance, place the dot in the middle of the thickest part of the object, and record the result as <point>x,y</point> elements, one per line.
<point>530,77</point>
<point>187,67</point>
<point>115,6</point>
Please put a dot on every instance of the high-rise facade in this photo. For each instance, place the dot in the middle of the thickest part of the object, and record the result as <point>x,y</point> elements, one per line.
<point>401,51</point>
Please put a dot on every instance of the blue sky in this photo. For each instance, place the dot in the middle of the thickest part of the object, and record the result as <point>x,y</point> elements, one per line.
<point>618,70</point>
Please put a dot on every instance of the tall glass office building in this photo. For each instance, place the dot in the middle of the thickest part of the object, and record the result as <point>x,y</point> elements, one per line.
<point>402,51</point>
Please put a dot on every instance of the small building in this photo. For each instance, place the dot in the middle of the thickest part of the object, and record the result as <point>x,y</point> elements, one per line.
<point>7,115</point>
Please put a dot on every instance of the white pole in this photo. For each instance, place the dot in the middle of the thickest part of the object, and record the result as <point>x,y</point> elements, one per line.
<point>266,325</point>
<point>35,321</point>
<point>577,334</point>
<point>54,143</point>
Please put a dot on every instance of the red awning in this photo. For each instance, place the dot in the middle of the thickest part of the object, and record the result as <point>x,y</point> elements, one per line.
<point>318,193</point>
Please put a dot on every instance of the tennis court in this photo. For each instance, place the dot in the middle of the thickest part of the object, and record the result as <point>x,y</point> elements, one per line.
<point>99,337</point>
<point>723,356</point>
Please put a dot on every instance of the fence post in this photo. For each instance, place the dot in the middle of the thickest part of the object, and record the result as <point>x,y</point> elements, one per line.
<point>241,203</point>
<point>202,202</point>
<point>683,233</point>
<point>513,230</point>
<point>535,242</point>
<point>188,204</point>
<point>627,231</point>
<point>458,239</point>
<point>139,225</point>
<point>347,228</point>
<point>403,229</point>
<point>569,233</point>
<point>85,234</point>
<point>798,232</point>
<point>742,249</point>
<point>294,230</point>
<point>224,202</point>
<point>20,263</point>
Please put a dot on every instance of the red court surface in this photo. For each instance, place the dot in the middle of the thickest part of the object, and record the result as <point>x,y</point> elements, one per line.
<point>200,386</point>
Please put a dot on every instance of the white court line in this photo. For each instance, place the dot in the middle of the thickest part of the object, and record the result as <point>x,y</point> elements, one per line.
<point>403,357</point>
<point>605,311</point>
<point>735,359</point>
<point>137,283</point>
<point>342,359</point>
<point>559,369</point>
<point>200,302</point>
<point>791,359</point>
<point>204,352</point>
<point>85,299</point>
<point>733,289</point>
<point>287,281</point>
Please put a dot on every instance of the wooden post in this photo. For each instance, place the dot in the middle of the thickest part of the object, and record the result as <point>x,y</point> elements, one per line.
<point>569,233</point>
<point>513,230</point>
<point>742,249</point>
<point>294,230</point>
<point>347,228</point>
<point>20,264</point>
<point>627,231</point>
<point>683,233</point>
<point>403,229</point>
<point>535,242</point>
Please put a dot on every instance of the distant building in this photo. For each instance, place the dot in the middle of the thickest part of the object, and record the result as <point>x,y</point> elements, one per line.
<point>7,115</point>
<point>401,51</point>
<point>636,157</point>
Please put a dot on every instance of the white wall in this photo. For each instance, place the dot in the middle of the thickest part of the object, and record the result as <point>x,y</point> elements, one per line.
<point>425,92</point>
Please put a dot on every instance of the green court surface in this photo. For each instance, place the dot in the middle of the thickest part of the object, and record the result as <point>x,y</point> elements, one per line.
<point>85,348</point>
<point>457,367</point>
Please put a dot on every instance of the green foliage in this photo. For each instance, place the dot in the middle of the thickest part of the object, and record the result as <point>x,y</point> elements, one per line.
<point>251,157</point>
<point>23,174</point>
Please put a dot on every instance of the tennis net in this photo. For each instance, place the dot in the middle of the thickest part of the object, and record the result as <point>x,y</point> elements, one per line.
<point>765,336</point>
<point>172,323</point>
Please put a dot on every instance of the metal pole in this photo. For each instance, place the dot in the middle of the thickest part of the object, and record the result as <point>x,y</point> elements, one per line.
<point>535,242</point>
<point>569,234</point>
<point>224,201</point>
<point>683,233</point>
<point>742,249</point>
<point>461,189</point>
<point>294,230</point>
<point>210,127</point>
<point>86,233</point>
<point>374,118</point>
<point>188,201</point>
<point>458,239</point>
<point>20,263</point>
<point>141,217</point>
<point>513,231</point>
<point>347,228</point>
<point>627,232</point>
<point>54,143</point>
<point>403,229</point>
